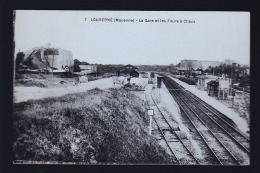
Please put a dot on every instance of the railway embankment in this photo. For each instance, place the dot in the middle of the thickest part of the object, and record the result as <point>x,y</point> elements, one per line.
<point>95,126</point>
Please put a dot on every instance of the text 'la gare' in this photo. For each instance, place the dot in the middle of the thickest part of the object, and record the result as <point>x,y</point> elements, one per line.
<point>167,20</point>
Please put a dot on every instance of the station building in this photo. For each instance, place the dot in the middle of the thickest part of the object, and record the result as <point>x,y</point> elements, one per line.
<point>128,70</point>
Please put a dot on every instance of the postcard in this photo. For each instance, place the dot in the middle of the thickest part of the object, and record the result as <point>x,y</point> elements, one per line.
<point>131,87</point>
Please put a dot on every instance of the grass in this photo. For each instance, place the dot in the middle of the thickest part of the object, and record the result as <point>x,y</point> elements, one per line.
<point>34,80</point>
<point>30,83</point>
<point>104,126</point>
<point>30,76</point>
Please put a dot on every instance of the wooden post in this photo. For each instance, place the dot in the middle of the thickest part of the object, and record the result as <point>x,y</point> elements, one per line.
<point>150,131</point>
<point>102,114</point>
<point>52,63</point>
<point>218,92</point>
<point>150,113</point>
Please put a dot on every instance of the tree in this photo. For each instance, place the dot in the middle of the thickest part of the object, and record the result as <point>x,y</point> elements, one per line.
<point>84,63</point>
<point>228,70</point>
<point>46,58</point>
<point>18,60</point>
<point>100,69</point>
<point>52,61</point>
<point>189,65</point>
<point>76,65</point>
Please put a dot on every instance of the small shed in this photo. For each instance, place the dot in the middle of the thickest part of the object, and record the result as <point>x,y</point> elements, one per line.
<point>159,81</point>
<point>181,70</point>
<point>212,88</point>
<point>88,69</point>
<point>224,88</point>
<point>202,81</point>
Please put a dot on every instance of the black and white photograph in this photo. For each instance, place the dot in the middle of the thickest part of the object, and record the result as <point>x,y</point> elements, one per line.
<point>98,87</point>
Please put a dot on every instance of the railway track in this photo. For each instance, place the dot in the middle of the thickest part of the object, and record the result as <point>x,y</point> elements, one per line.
<point>229,146</point>
<point>179,144</point>
<point>175,140</point>
<point>221,120</point>
<point>163,137</point>
<point>216,112</point>
<point>221,116</point>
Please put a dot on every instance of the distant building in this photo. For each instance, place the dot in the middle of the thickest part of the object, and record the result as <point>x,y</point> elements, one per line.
<point>180,70</point>
<point>219,87</point>
<point>88,69</point>
<point>47,58</point>
<point>207,71</point>
<point>134,73</point>
<point>196,64</point>
<point>198,71</point>
<point>212,88</point>
<point>128,70</point>
<point>224,88</point>
<point>202,82</point>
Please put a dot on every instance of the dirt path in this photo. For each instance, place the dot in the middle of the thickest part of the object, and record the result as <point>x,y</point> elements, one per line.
<point>26,93</point>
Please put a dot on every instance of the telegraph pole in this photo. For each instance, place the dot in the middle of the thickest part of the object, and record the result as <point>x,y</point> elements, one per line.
<point>52,62</point>
<point>232,73</point>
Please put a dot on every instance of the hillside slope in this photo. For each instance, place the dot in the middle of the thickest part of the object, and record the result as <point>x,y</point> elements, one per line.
<point>97,126</point>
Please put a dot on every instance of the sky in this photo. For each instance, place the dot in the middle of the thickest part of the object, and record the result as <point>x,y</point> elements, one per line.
<point>215,36</point>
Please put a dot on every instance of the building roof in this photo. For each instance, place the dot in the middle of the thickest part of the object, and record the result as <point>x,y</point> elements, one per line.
<point>129,65</point>
<point>87,66</point>
<point>195,64</point>
<point>213,82</point>
<point>181,68</point>
<point>199,69</point>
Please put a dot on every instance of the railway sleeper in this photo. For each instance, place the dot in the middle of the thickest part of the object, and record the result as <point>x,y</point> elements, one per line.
<point>169,130</point>
<point>182,135</point>
<point>173,141</point>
